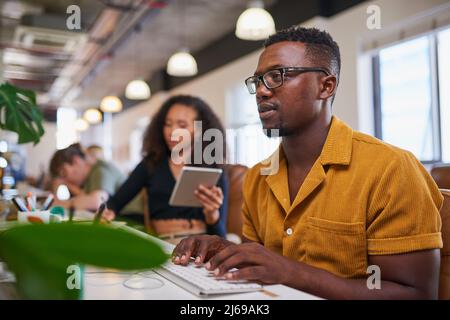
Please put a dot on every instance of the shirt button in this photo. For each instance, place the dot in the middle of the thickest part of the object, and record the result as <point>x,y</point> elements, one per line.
<point>288,231</point>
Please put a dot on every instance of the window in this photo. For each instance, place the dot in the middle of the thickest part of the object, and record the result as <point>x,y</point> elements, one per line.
<point>136,138</point>
<point>247,143</point>
<point>411,103</point>
<point>66,132</point>
<point>444,92</point>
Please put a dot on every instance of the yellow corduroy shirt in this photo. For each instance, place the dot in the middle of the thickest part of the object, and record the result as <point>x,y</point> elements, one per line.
<point>361,197</point>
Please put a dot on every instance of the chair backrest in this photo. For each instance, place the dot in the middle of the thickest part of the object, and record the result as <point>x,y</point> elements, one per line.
<point>236,175</point>
<point>147,222</point>
<point>444,278</point>
<point>441,175</point>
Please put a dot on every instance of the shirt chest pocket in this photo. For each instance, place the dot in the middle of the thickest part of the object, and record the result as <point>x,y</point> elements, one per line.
<point>337,247</point>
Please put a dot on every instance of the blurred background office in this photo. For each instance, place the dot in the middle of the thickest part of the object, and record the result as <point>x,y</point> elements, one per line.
<point>101,68</point>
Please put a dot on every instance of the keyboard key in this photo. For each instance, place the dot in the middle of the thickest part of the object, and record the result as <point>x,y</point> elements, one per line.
<point>200,281</point>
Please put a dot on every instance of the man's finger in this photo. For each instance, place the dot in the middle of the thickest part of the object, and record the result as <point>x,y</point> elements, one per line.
<point>202,252</point>
<point>232,262</point>
<point>219,258</point>
<point>183,251</point>
<point>253,273</point>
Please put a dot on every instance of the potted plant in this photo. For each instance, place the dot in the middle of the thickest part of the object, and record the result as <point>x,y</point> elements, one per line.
<point>48,259</point>
<point>19,113</point>
<point>41,256</point>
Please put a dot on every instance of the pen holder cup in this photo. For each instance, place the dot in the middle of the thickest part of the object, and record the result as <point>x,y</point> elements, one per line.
<point>38,216</point>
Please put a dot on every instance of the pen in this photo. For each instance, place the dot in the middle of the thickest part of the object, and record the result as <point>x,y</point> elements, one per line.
<point>34,198</point>
<point>99,213</point>
<point>29,202</point>
<point>48,202</point>
<point>18,202</point>
<point>71,213</point>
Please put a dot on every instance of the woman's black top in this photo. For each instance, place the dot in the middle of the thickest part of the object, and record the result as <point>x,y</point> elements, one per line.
<point>159,183</point>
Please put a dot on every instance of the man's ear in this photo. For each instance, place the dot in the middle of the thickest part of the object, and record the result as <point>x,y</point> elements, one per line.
<point>328,87</point>
<point>76,160</point>
<point>62,172</point>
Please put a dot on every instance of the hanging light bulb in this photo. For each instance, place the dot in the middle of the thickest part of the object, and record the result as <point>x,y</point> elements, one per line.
<point>255,23</point>
<point>182,64</point>
<point>62,193</point>
<point>3,163</point>
<point>137,90</point>
<point>111,104</point>
<point>81,124</point>
<point>3,146</point>
<point>92,116</point>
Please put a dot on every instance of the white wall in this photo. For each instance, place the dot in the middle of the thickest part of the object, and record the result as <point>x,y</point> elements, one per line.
<point>123,125</point>
<point>38,156</point>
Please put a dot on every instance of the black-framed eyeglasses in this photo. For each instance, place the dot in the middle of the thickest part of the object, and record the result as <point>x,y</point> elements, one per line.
<point>275,78</point>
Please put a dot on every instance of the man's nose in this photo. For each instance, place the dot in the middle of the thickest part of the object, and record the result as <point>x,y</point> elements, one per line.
<point>262,91</point>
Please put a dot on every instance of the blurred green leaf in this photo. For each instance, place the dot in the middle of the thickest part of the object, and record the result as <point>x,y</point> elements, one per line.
<point>19,113</point>
<point>40,254</point>
<point>37,276</point>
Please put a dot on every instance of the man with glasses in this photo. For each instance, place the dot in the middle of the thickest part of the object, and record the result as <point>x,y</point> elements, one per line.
<point>342,204</point>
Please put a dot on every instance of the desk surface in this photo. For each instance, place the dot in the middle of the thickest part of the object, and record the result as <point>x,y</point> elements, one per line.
<point>104,284</point>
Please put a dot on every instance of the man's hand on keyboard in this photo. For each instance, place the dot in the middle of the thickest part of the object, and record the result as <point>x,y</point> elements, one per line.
<point>253,261</point>
<point>201,248</point>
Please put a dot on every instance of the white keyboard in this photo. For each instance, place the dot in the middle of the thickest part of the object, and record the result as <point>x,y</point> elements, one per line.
<point>200,281</point>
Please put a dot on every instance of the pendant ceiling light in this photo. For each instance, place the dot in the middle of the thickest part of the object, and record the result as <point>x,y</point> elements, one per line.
<point>62,193</point>
<point>255,23</point>
<point>92,116</point>
<point>182,64</point>
<point>137,90</point>
<point>3,163</point>
<point>111,104</point>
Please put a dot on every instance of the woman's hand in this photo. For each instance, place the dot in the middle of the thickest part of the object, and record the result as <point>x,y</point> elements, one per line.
<point>108,215</point>
<point>211,199</point>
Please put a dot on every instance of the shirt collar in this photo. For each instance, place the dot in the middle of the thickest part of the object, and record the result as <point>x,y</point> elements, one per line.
<point>338,145</point>
<point>337,148</point>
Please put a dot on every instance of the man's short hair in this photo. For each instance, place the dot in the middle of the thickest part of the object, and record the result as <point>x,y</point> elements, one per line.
<point>94,147</point>
<point>63,156</point>
<point>321,49</point>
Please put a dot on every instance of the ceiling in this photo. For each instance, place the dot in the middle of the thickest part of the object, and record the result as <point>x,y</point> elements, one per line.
<point>137,38</point>
<point>120,40</point>
<point>193,24</point>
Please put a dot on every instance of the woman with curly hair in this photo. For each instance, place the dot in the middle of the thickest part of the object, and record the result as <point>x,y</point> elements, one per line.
<point>161,166</point>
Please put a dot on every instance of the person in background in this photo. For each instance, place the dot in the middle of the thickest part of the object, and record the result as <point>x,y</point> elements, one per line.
<point>159,170</point>
<point>89,181</point>
<point>343,215</point>
<point>95,152</point>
